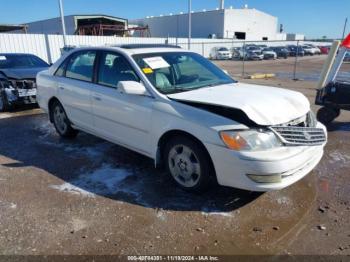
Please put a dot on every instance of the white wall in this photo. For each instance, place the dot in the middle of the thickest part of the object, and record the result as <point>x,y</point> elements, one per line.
<point>256,24</point>
<point>203,24</point>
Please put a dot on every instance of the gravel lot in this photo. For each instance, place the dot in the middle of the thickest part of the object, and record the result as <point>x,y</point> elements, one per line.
<point>88,196</point>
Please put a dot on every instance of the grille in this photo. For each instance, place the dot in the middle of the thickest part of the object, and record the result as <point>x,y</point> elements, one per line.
<point>23,84</point>
<point>300,136</point>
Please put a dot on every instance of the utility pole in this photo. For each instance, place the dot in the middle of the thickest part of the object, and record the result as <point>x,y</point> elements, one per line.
<point>346,22</point>
<point>189,23</point>
<point>63,23</point>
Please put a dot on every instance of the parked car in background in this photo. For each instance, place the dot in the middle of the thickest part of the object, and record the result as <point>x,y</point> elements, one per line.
<point>311,50</point>
<point>295,50</point>
<point>185,113</point>
<point>254,55</point>
<point>324,49</point>
<point>281,51</point>
<point>17,79</point>
<point>220,53</point>
<point>235,52</point>
<point>269,53</point>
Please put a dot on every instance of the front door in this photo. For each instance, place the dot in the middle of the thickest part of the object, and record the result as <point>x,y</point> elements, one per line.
<point>123,118</point>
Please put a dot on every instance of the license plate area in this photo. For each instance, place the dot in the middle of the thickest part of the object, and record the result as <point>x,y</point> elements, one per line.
<point>26,92</point>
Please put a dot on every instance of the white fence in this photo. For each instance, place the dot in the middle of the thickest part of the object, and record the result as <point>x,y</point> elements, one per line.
<point>48,47</point>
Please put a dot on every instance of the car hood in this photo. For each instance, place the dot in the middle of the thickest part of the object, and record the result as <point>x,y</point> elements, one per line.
<point>263,105</point>
<point>22,73</point>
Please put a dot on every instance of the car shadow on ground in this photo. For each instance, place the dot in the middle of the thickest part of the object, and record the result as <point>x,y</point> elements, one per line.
<point>338,126</point>
<point>90,167</point>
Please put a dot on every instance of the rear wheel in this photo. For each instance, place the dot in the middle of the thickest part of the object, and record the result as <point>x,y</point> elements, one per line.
<point>61,122</point>
<point>188,164</point>
<point>327,114</point>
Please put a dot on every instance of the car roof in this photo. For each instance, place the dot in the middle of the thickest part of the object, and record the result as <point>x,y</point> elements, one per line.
<point>132,50</point>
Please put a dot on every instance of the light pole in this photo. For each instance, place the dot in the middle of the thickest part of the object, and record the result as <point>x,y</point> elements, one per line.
<point>189,23</point>
<point>346,21</point>
<point>63,23</point>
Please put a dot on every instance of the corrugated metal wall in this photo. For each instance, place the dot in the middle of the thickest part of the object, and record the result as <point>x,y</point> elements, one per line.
<point>48,47</point>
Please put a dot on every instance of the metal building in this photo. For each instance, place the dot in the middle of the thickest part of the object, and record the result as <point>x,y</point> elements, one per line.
<point>81,25</point>
<point>245,24</point>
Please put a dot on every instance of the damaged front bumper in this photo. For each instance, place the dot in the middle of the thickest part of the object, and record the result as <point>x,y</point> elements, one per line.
<point>266,170</point>
<point>19,92</point>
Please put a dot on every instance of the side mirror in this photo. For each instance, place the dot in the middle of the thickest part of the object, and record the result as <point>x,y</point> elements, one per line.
<point>132,88</point>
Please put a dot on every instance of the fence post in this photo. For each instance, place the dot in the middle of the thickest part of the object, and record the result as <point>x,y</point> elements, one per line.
<point>243,60</point>
<point>48,49</point>
<point>296,62</point>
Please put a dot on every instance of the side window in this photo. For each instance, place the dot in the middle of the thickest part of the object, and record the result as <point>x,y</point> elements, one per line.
<point>81,66</point>
<point>114,68</point>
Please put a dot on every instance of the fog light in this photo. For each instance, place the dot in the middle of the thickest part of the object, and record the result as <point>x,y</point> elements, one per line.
<point>266,178</point>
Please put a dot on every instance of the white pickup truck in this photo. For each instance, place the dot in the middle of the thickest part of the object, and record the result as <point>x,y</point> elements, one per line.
<point>181,110</point>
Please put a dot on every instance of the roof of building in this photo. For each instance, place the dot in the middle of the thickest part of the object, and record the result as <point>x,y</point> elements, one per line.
<point>86,16</point>
<point>8,28</point>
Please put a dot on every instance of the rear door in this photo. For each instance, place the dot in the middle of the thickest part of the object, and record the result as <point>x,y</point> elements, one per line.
<point>74,88</point>
<point>120,117</point>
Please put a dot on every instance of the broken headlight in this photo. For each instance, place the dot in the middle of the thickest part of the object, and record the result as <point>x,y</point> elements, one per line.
<point>250,140</point>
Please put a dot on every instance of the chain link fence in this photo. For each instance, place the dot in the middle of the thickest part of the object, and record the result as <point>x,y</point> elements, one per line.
<point>297,60</point>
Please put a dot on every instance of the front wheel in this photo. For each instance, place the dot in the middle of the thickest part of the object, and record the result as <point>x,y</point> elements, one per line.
<point>327,114</point>
<point>61,122</point>
<point>189,164</point>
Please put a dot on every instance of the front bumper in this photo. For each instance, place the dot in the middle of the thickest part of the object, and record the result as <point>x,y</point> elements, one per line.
<point>292,163</point>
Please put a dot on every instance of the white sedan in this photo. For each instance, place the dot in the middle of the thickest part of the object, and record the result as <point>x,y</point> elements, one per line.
<point>181,110</point>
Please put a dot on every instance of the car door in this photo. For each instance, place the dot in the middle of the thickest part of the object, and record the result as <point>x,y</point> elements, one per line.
<point>74,89</point>
<point>123,118</point>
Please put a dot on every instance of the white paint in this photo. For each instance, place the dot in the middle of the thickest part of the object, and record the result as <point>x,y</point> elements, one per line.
<point>103,181</point>
<point>258,102</point>
<point>2,58</point>
<point>224,214</point>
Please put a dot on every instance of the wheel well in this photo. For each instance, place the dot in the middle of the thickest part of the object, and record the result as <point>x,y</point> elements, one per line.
<point>173,133</point>
<point>51,102</point>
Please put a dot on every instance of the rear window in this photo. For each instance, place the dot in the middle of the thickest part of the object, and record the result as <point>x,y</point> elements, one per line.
<point>21,61</point>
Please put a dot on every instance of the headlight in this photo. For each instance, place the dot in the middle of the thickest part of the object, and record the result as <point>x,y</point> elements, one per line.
<point>250,140</point>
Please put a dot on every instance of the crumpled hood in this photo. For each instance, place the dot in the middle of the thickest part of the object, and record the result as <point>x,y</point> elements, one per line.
<point>22,73</point>
<point>262,104</point>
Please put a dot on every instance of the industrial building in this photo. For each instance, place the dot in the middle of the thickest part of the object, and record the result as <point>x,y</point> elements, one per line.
<point>81,25</point>
<point>244,24</point>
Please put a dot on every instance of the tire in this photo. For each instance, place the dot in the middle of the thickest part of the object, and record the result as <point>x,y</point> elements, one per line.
<point>188,164</point>
<point>61,122</point>
<point>327,114</point>
<point>3,102</point>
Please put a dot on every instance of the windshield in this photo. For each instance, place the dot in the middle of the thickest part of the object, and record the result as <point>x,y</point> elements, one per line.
<point>223,49</point>
<point>175,72</point>
<point>21,61</point>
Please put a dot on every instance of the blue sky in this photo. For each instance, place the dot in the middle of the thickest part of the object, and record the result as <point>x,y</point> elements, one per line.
<point>314,18</point>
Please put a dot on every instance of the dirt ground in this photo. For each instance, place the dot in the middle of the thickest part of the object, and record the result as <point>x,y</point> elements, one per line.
<point>88,196</point>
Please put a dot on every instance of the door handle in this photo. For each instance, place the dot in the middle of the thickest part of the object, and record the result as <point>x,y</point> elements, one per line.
<point>61,87</point>
<point>97,98</point>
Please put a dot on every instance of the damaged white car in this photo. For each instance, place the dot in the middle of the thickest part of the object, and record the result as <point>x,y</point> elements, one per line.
<point>181,110</point>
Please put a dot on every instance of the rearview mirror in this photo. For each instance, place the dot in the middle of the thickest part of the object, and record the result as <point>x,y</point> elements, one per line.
<point>132,88</point>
